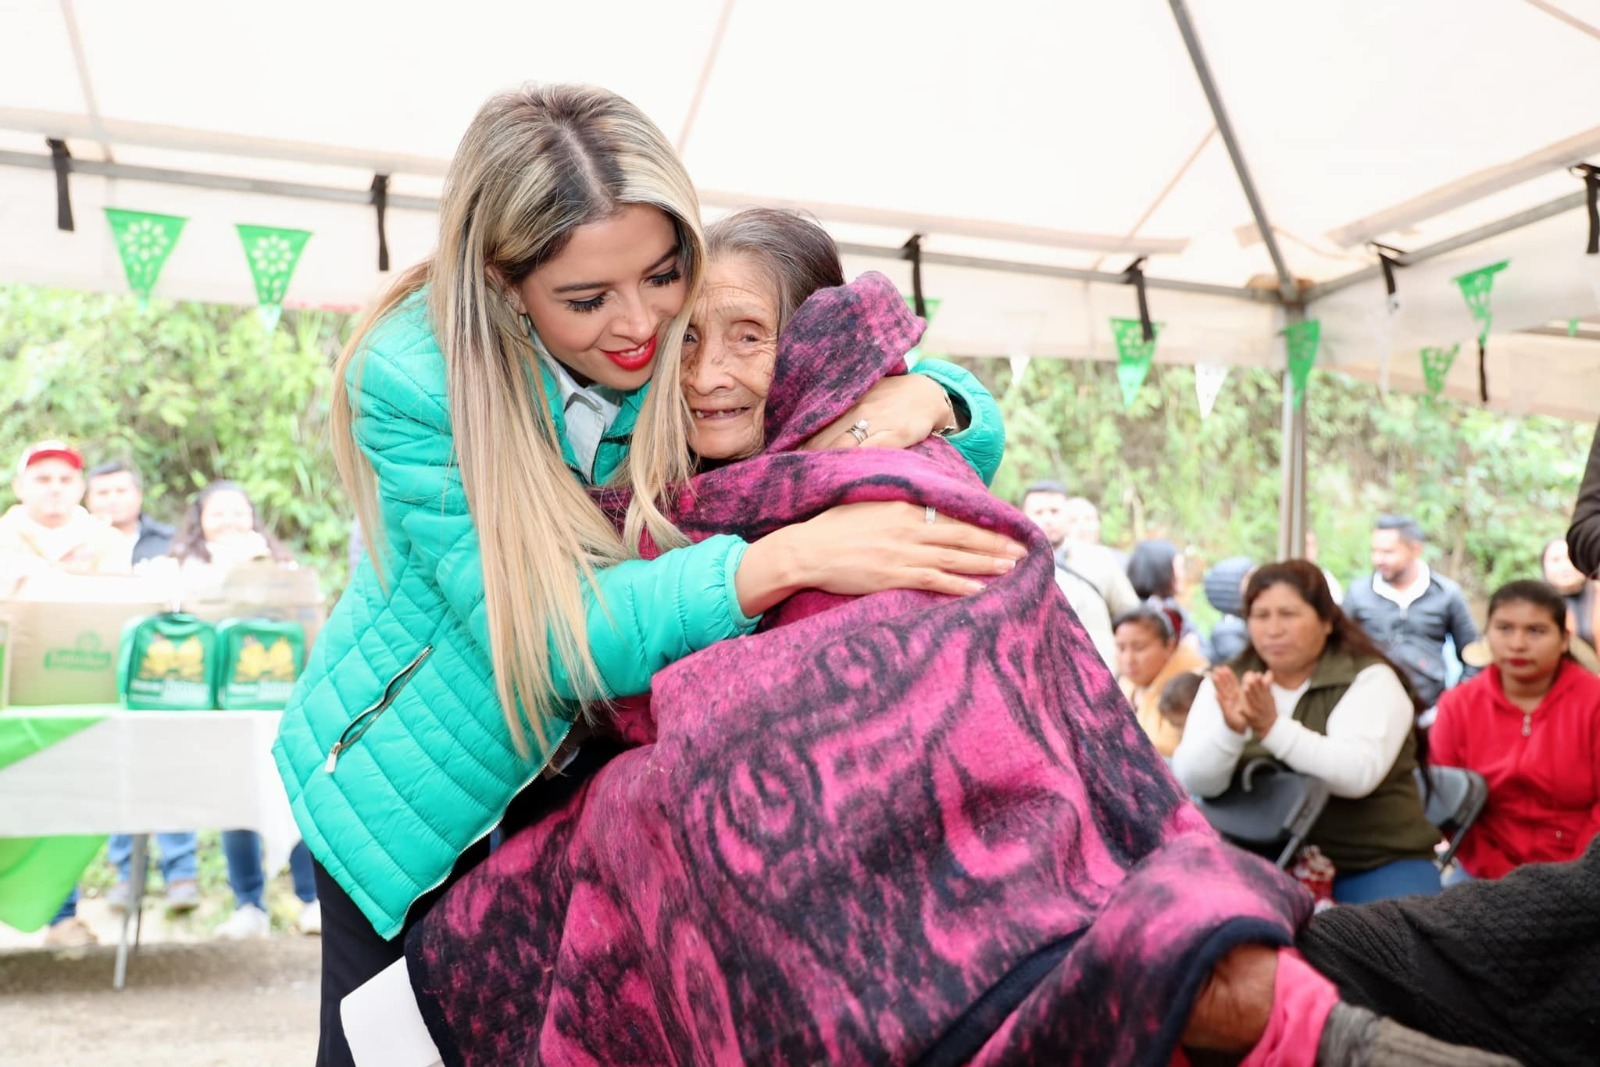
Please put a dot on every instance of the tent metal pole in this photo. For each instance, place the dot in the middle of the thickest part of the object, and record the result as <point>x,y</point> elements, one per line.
<point>1191,40</point>
<point>1571,202</point>
<point>1292,466</point>
<point>1077,274</point>
<point>1292,495</point>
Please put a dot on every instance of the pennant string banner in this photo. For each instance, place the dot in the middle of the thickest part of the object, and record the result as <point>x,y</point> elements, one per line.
<point>1134,355</point>
<point>1475,288</point>
<point>273,254</point>
<point>144,241</point>
<point>1208,381</point>
<point>1019,367</point>
<point>1436,363</point>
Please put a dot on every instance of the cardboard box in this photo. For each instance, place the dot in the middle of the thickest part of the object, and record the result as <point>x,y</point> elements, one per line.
<point>266,591</point>
<point>63,634</point>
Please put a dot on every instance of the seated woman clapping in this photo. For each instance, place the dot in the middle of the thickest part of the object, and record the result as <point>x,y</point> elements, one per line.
<point>1313,693</point>
<point>1530,724</point>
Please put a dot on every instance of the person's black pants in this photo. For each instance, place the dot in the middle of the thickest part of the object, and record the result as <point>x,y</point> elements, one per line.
<point>352,951</point>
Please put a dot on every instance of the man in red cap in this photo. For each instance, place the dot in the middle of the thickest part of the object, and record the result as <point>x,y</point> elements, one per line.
<point>48,529</point>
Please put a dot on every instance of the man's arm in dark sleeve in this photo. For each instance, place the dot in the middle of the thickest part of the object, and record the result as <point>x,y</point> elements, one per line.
<point>1583,536</point>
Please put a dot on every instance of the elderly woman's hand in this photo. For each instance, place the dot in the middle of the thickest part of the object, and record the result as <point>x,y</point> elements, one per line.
<point>899,412</point>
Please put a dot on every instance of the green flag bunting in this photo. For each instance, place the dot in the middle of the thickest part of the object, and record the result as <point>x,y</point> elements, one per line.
<point>1436,364</point>
<point>932,307</point>
<point>1303,340</point>
<point>1475,287</point>
<point>144,241</point>
<point>273,254</point>
<point>1134,355</point>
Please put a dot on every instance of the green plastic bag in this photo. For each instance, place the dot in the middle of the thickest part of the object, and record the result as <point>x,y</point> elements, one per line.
<point>167,663</point>
<point>259,662</point>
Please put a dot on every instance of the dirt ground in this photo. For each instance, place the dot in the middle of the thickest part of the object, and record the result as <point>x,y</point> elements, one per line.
<point>190,1001</point>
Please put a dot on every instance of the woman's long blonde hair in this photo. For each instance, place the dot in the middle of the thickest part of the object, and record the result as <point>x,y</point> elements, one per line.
<point>535,165</point>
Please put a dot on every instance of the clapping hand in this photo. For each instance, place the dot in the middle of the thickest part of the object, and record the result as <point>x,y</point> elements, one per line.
<point>1260,711</point>
<point>1246,704</point>
<point>1231,699</point>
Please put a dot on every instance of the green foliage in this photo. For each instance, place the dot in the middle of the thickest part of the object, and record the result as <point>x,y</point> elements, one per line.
<point>189,393</point>
<point>1489,489</point>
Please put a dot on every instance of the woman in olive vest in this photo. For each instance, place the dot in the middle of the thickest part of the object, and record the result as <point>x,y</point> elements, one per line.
<point>1312,692</point>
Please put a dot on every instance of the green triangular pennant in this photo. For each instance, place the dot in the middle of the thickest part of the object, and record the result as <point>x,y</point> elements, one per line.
<point>931,305</point>
<point>144,241</point>
<point>273,254</point>
<point>1476,286</point>
<point>1134,355</point>
<point>1303,340</point>
<point>1436,364</point>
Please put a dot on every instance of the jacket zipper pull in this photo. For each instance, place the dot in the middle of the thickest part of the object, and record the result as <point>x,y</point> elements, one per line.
<point>333,756</point>
<point>1527,724</point>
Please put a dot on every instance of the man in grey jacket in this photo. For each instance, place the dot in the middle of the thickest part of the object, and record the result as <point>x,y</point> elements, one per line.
<point>1408,610</point>
<point>1089,575</point>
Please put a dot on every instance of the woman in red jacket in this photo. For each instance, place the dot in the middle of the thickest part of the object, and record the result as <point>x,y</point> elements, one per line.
<point>1530,724</point>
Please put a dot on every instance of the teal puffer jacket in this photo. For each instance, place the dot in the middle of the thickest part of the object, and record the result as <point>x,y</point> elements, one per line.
<point>394,750</point>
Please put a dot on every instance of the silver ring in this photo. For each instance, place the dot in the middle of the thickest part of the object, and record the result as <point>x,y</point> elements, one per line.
<point>930,516</point>
<point>859,431</point>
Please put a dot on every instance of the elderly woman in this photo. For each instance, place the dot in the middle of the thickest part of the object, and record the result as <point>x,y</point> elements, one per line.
<point>1313,693</point>
<point>900,828</point>
<point>1148,657</point>
<point>1530,724</point>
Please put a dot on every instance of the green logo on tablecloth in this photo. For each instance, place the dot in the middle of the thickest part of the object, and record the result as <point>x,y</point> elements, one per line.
<point>85,655</point>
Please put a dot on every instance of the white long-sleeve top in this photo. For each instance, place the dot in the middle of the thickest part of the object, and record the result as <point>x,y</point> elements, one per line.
<point>1365,731</point>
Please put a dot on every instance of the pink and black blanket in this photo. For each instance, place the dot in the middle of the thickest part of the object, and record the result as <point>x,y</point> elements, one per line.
<point>898,829</point>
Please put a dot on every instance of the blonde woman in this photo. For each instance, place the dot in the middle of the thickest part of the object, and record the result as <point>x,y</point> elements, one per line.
<point>485,391</point>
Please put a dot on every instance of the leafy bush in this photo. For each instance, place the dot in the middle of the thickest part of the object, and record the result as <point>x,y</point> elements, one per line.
<point>1489,489</point>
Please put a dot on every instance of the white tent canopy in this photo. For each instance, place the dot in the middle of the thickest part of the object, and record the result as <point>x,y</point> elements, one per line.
<point>1038,147</point>
<point>1045,134</point>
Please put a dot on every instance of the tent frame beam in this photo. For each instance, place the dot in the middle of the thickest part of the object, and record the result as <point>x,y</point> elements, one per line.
<point>331,194</point>
<point>1559,206</point>
<point>1292,455</point>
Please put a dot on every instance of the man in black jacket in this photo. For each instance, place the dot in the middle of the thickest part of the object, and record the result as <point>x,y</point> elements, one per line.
<point>1408,610</point>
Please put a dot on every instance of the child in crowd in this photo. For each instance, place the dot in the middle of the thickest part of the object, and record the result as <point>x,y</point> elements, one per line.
<point>1176,696</point>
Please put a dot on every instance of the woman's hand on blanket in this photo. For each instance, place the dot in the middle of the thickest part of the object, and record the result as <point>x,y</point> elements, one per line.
<point>855,549</point>
<point>899,412</point>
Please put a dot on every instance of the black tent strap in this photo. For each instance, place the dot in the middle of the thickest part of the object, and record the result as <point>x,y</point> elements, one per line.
<point>1591,186</point>
<point>380,201</point>
<point>1483,372</point>
<point>912,250</point>
<point>1134,276</point>
<point>61,161</point>
<point>1388,262</point>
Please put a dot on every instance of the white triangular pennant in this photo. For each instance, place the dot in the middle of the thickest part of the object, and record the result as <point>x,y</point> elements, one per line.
<point>1019,367</point>
<point>1208,381</point>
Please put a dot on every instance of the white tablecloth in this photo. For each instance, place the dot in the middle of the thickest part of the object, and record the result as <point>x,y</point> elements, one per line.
<point>149,771</point>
